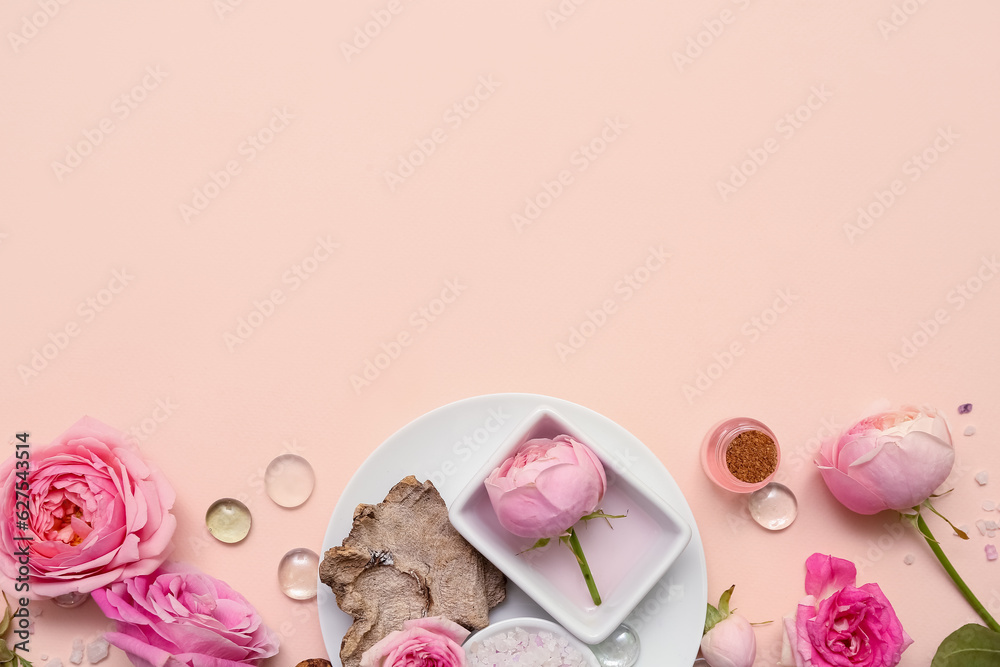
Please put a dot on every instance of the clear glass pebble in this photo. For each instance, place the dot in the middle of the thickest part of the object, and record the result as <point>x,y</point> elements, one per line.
<point>228,520</point>
<point>620,649</point>
<point>70,600</point>
<point>289,480</point>
<point>774,506</point>
<point>297,574</point>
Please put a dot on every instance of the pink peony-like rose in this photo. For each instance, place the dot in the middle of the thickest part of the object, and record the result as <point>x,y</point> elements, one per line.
<point>96,512</point>
<point>851,627</point>
<point>730,643</point>
<point>894,460</point>
<point>433,641</point>
<point>179,616</point>
<point>546,487</point>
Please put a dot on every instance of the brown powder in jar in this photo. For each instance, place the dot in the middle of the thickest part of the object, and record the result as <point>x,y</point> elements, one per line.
<point>752,456</point>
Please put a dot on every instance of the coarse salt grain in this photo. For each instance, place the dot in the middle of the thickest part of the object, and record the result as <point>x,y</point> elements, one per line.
<point>970,430</point>
<point>965,408</point>
<point>982,477</point>
<point>981,525</point>
<point>524,649</point>
<point>909,559</point>
<point>991,552</point>
<point>989,505</point>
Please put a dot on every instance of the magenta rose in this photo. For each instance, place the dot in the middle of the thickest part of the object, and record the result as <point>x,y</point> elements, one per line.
<point>894,460</point>
<point>178,615</point>
<point>96,512</point>
<point>434,641</point>
<point>853,626</point>
<point>546,487</point>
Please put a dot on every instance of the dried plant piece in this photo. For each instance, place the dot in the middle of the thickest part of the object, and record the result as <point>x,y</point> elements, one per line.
<point>402,560</point>
<point>314,662</point>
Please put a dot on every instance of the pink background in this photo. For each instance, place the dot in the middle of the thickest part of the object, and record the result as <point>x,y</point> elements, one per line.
<point>886,80</point>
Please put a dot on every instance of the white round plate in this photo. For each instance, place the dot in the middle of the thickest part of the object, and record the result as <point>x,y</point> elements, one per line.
<point>449,444</point>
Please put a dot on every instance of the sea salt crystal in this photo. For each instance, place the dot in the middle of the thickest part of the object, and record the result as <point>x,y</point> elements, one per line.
<point>521,648</point>
<point>97,650</point>
<point>76,657</point>
<point>989,505</point>
<point>970,430</point>
<point>54,662</point>
<point>981,525</point>
<point>982,477</point>
<point>991,552</point>
<point>909,559</point>
<point>991,524</point>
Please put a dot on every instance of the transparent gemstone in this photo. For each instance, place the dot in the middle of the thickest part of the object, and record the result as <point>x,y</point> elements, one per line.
<point>228,520</point>
<point>297,574</point>
<point>70,600</point>
<point>620,649</point>
<point>773,506</point>
<point>289,480</point>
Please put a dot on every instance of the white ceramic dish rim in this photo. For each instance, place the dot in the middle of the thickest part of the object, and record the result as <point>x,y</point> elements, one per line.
<point>670,618</point>
<point>531,623</point>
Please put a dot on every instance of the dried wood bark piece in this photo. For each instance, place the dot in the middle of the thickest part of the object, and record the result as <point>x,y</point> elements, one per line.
<point>402,560</point>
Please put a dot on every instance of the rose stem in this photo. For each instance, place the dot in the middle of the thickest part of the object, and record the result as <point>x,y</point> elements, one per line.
<point>969,595</point>
<point>574,544</point>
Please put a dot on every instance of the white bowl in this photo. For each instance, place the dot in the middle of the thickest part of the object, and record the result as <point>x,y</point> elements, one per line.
<point>627,557</point>
<point>535,625</point>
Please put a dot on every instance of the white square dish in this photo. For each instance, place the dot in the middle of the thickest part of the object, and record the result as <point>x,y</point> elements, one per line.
<point>627,557</point>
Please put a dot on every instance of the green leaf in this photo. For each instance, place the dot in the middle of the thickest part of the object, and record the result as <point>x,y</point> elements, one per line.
<point>712,617</point>
<point>6,654</point>
<point>724,601</point>
<point>5,622</point>
<point>971,645</point>
<point>537,545</point>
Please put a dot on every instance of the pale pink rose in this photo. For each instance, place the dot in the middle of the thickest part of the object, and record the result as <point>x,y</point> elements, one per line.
<point>97,513</point>
<point>546,487</point>
<point>433,641</point>
<point>179,616</point>
<point>894,460</point>
<point>730,643</point>
<point>850,627</point>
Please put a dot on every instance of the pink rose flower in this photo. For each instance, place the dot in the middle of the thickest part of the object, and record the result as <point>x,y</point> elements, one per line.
<point>178,615</point>
<point>98,514</point>
<point>546,487</point>
<point>853,626</point>
<point>434,641</point>
<point>894,460</point>
<point>730,643</point>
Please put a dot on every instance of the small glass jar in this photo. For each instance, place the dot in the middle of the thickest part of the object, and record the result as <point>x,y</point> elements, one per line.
<point>716,445</point>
